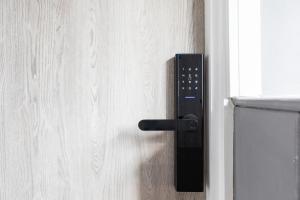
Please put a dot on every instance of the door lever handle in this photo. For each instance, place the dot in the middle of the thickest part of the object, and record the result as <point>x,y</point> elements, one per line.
<point>157,125</point>
<point>188,123</point>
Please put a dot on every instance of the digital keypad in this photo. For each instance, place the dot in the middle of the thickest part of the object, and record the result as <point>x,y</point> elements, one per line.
<point>189,80</point>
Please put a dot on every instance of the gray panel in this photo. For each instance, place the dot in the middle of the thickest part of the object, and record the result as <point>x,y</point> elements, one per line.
<point>265,154</point>
<point>283,104</point>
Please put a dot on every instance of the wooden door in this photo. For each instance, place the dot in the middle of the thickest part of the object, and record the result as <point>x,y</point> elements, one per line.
<point>76,76</point>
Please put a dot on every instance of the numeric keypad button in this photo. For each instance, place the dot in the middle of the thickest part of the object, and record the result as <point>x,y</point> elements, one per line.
<point>189,79</point>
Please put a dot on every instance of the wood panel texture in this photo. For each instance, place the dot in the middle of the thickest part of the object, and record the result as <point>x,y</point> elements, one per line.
<point>76,76</point>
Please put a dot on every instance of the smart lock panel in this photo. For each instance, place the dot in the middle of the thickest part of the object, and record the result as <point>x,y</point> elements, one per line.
<point>188,123</point>
<point>189,95</point>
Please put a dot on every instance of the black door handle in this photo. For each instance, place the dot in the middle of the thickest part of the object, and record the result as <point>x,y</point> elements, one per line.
<point>157,125</point>
<point>188,123</point>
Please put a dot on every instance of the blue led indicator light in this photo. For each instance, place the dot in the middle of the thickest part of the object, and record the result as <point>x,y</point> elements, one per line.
<point>189,97</point>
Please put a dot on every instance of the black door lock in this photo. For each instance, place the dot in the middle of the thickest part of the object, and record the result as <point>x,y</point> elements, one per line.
<point>188,124</point>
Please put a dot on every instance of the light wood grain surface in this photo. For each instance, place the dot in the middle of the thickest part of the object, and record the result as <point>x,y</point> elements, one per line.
<point>76,76</point>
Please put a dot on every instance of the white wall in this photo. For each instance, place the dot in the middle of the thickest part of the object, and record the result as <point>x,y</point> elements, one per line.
<point>245,47</point>
<point>265,47</point>
<point>280,46</point>
<point>249,29</point>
